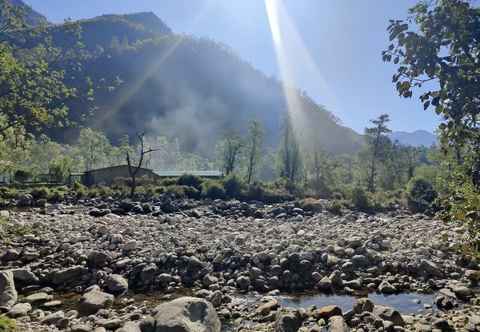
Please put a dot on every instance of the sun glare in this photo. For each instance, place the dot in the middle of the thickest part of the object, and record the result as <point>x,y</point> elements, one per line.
<point>294,59</point>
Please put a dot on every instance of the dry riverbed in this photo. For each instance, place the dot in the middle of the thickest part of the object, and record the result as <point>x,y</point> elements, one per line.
<point>253,267</point>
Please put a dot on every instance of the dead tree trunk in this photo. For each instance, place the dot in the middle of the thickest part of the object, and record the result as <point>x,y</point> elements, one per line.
<point>134,169</point>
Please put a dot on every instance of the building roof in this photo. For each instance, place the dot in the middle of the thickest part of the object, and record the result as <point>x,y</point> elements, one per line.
<point>114,167</point>
<point>196,173</point>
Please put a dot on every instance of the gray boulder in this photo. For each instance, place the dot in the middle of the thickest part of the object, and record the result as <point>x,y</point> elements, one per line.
<point>93,301</point>
<point>8,293</point>
<point>186,314</point>
<point>116,284</point>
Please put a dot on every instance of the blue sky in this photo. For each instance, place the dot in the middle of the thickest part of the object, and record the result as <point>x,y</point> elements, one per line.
<point>343,37</point>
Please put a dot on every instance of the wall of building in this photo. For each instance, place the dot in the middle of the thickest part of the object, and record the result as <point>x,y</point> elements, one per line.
<point>107,176</point>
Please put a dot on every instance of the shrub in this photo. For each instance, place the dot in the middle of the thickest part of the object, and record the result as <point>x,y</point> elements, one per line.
<point>335,207</point>
<point>255,192</point>
<point>40,193</point>
<point>192,192</point>
<point>232,186</point>
<point>8,193</point>
<point>213,190</point>
<point>420,195</point>
<point>311,204</point>
<point>190,181</point>
<point>177,191</point>
<point>168,182</point>
<point>7,324</point>
<point>360,199</point>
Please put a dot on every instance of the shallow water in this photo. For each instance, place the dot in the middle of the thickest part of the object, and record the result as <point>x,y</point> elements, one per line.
<point>408,303</point>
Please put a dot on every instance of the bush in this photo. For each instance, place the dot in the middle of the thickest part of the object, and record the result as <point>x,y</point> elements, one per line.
<point>190,181</point>
<point>420,195</point>
<point>168,182</point>
<point>8,193</point>
<point>335,207</point>
<point>232,186</point>
<point>40,193</point>
<point>213,190</point>
<point>360,199</point>
<point>7,324</point>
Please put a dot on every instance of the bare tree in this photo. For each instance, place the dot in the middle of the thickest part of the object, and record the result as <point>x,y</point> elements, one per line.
<point>134,169</point>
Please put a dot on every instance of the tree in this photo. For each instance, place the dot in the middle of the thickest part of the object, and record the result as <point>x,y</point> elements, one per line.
<point>230,148</point>
<point>291,158</point>
<point>436,50</point>
<point>377,140</point>
<point>94,147</point>
<point>254,149</point>
<point>133,169</point>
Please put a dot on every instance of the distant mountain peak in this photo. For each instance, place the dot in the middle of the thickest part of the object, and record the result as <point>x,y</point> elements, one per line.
<point>147,20</point>
<point>416,138</point>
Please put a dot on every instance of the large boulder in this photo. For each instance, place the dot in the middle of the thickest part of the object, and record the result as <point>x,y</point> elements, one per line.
<point>8,293</point>
<point>68,275</point>
<point>94,300</point>
<point>186,314</point>
<point>288,321</point>
<point>116,284</point>
<point>388,314</point>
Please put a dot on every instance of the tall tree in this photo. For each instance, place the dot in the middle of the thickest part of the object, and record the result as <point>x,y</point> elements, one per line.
<point>377,140</point>
<point>231,148</point>
<point>437,52</point>
<point>291,158</point>
<point>254,148</point>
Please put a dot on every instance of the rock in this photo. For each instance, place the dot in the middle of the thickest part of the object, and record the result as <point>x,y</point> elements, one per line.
<point>68,275</point>
<point>186,314</point>
<point>327,311</point>
<point>38,298</point>
<point>81,328</point>
<point>429,269</point>
<point>116,284</point>
<point>10,255</point>
<point>288,321</point>
<point>8,293</point>
<point>98,259</point>
<point>93,301</point>
<point>129,327</point>
<point>325,285</point>
<point>97,213</point>
<point>473,276</point>
<point>363,305</point>
<point>53,318</point>
<point>19,310</point>
<point>386,288</point>
<point>337,324</point>
<point>462,292</point>
<point>25,277</point>
<point>443,325</point>
<point>388,314</point>
<point>266,308</point>
<point>243,282</point>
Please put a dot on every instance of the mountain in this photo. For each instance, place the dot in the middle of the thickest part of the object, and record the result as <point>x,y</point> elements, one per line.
<point>32,17</point>
<point>180,86</point>
<point>417,138</point>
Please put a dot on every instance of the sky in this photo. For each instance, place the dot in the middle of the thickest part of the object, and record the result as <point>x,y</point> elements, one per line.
<point>335,53</point>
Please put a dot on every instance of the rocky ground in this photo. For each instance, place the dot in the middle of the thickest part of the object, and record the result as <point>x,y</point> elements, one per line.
<point>106,265</point>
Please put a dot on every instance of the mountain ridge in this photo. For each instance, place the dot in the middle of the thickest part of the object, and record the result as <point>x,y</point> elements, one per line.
<point>415,138</point>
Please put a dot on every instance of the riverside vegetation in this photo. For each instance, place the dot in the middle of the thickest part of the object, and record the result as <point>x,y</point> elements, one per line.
<point>295,215</point>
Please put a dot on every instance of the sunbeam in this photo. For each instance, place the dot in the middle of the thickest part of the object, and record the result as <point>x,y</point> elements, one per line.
<point>291,53</point>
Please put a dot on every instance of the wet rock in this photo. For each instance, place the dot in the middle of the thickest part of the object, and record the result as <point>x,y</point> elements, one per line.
<point>129,327</point>
<point>37,298</point>
<point>243,282</point>
<point>25,277</point>
<point>8,293</point>
<point>186,314</point>
<point>93,301</point>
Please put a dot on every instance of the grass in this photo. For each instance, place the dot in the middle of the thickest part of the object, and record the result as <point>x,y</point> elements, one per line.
<point>7,324</point>
<point>7,230</point>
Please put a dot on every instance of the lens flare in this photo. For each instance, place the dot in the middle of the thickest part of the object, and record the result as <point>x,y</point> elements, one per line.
<point>152,70</point>
<point>294,61</point>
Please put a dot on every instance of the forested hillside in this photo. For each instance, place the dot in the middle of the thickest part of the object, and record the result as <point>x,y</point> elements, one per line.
<point>167,84</point>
